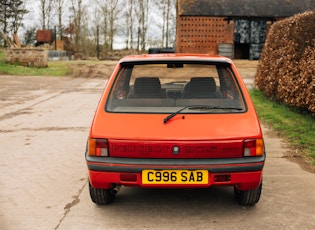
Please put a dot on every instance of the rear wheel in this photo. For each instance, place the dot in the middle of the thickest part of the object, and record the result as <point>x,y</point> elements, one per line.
<point>248,197</point>
<point>102,196</point>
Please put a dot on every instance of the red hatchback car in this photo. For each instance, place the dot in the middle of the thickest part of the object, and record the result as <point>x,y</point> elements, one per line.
<point>175,121</point>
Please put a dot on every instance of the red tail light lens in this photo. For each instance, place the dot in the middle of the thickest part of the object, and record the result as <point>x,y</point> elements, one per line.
<point>98,147</point>
<point>254,147</point>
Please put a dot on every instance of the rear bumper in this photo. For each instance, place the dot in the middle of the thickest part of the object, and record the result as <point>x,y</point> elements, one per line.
<point>245,173</point>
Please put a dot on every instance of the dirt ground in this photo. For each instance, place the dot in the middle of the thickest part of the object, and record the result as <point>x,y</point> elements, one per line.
<point>103,70</point>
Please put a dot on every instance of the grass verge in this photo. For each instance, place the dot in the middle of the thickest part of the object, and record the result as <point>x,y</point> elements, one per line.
<point>56,68</point>
<point>296,128</point>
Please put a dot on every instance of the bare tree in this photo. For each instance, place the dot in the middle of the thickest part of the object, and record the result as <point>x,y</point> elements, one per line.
<point>129,14</point>
<point>132,16</point>
<point>46,8</point>
<point>60,5</point>
<point>87,41</point>
<point>78,11</point>
<point>167,7</point>
<point>96,16</point>
<point>142,14</point>
<point>110,12</point>
<point>162,7</point>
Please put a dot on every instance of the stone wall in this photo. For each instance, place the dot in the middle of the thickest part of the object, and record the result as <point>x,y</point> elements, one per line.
<point>27,57</point>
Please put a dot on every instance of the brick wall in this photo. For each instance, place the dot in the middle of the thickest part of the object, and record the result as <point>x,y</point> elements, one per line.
<point>27,57</point>
<point>202,34</point>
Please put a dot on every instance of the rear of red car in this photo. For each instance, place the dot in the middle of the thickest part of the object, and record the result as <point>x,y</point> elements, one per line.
<point>175,121</point>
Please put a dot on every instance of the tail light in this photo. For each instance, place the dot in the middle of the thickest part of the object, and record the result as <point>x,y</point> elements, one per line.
<point>98,147</point>
<point>253,147</point>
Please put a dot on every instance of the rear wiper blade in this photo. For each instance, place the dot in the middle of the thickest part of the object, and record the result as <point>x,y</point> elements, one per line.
<point>205,107</point>
<point>174,114</point>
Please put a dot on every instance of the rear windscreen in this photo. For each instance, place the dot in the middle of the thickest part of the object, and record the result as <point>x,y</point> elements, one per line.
<point>169,87</point>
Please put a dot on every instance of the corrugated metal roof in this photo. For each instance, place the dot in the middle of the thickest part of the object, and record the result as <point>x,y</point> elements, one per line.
<point>244,8</point>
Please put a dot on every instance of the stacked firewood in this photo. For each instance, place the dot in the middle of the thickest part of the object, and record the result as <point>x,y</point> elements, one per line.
<point>286,70</point>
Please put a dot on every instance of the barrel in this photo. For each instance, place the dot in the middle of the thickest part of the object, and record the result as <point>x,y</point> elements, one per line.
<point>226,49</point>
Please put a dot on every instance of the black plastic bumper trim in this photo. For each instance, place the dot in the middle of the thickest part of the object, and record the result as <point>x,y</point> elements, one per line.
<point>136,165</point>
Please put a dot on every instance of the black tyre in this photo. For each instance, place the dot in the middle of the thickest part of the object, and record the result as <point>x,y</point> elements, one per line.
<point>102,196</point>
<point>248,197</point>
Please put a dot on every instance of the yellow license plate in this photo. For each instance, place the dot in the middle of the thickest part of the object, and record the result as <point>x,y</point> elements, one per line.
<point>175,177</point>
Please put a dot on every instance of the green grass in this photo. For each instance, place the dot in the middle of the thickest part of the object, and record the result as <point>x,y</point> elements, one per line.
<point>296,128</point>
<point>56,68</point>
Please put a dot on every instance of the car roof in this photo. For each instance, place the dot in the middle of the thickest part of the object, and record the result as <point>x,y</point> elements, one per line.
<point>175,57</point>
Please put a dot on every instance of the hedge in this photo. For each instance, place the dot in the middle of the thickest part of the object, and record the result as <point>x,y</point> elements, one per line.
<point>286,70</point>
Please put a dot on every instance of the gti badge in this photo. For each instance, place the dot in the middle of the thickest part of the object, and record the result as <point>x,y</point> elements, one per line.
<point>176,150</point>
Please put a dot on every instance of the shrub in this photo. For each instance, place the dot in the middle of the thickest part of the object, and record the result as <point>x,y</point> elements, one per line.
<point>286,70</point>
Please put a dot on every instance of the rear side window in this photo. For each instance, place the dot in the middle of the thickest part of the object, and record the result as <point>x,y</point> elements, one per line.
<point>168,87</point>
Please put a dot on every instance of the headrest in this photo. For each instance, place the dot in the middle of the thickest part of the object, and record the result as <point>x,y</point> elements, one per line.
<point>202,84</point>
<point>147,85</point>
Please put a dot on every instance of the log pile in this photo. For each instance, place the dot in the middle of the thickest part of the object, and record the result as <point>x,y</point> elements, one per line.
<point>286,71</point>
<point>15,43</point>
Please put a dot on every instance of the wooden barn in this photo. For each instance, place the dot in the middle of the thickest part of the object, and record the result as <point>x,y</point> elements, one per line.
<point>233,28</point>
